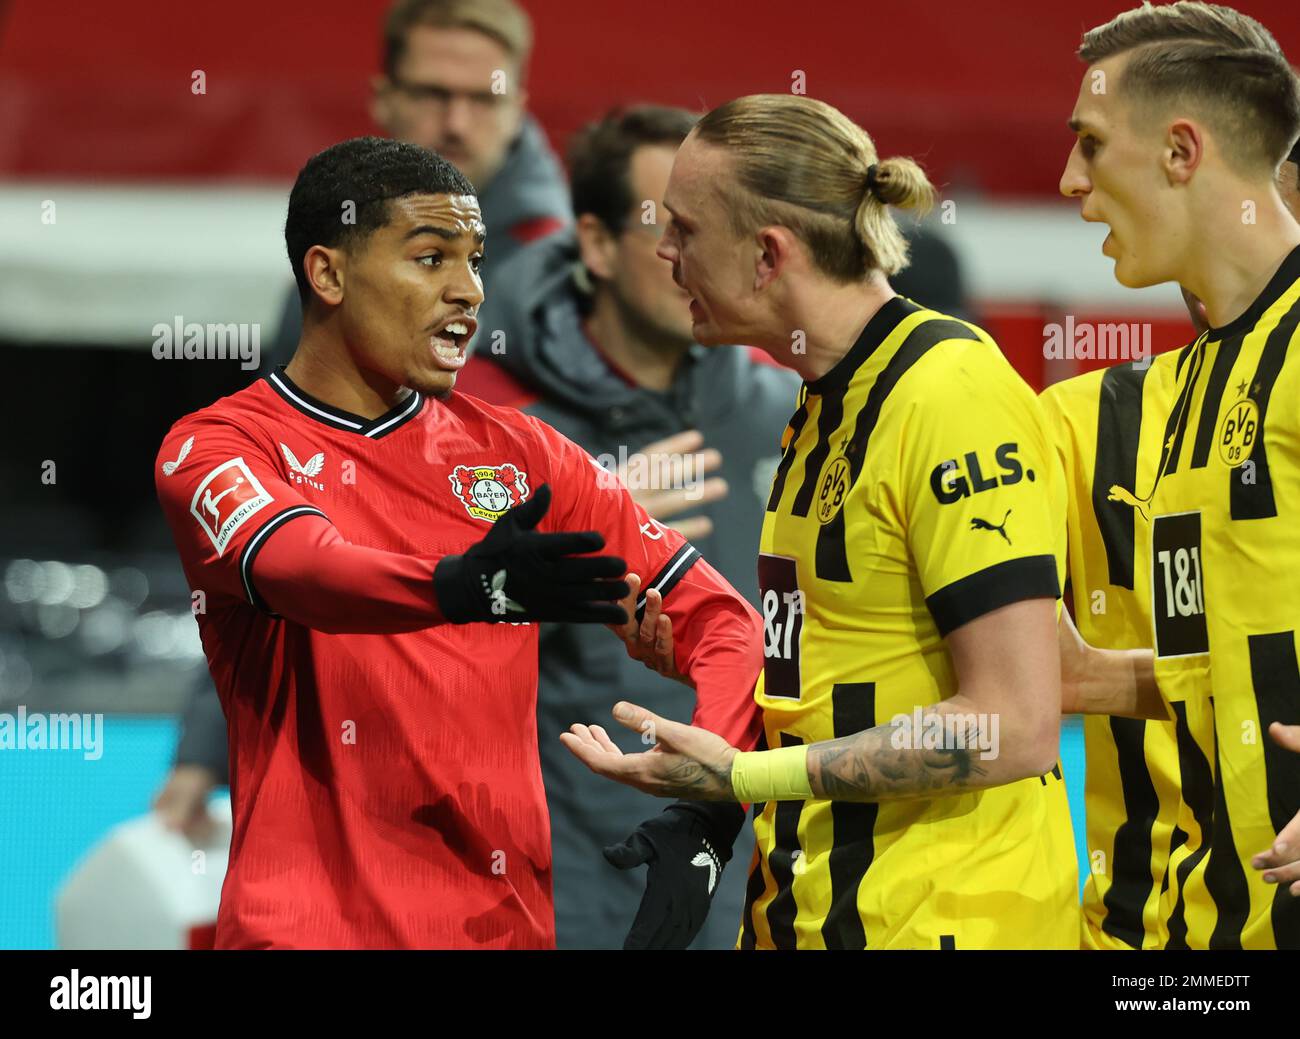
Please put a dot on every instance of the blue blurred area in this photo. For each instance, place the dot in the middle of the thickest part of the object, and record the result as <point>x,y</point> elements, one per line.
<point>1072,761</point>
<point>57,805</point>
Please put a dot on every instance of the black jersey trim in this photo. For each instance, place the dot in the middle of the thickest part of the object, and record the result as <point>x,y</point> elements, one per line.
<point>831,552</point>
<point>1131,883</point>
<point>757,885</point>
<point>1172,443</point>
<point>783,909</point>
<point>1225,357</point>
<point>1198,795</point>
<point>877,330</point>
<point>254,546</point>
<point>328,415</point>
<point>829,416</point>
<point>1254,499</point>
<point>796,425</point>
<point>671,573</point>
<point>1119,429</point>
<point>1030,577</point>
<point>1282,279</point>
<point>853,826</point>
<point>1225,879</point>
<point>1275,678</point>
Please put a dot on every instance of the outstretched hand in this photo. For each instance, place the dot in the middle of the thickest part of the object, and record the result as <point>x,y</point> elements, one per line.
<point>685,761</point>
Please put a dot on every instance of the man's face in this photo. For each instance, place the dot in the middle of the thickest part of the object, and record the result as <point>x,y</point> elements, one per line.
<point>1115,169</point>
<point>708,259</point>
<point>441,98</point>
<point>626,264</point>
<point>406,282</point>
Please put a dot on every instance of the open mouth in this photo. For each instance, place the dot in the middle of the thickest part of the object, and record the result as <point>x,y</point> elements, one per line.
<point>450,340</point>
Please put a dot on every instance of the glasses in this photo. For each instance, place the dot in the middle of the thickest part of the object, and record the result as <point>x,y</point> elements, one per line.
<point>439,98</point>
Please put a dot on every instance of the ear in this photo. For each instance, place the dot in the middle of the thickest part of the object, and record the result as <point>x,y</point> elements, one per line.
<point>596,246</point>
<point>774,249</point>
<point>324,269</point>
<point>1184,150</point>
<point>380,104</point>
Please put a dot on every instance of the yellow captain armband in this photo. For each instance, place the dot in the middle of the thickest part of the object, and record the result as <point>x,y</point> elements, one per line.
<point>771,775</point>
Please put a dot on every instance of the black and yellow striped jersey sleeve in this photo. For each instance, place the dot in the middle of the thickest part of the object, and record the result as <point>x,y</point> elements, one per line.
<point>1224,554</point>
<point>1107,427</point>
<point>916,492</point>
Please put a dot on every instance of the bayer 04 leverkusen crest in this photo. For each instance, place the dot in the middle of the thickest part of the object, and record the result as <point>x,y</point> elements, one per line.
<point>487,491</point>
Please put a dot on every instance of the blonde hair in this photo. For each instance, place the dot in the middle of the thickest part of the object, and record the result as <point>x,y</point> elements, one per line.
<point>805,165</point>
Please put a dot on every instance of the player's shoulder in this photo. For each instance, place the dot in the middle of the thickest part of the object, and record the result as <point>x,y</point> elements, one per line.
<point>1067,395</point>
<point>960,370</point>
<point>232,422</point>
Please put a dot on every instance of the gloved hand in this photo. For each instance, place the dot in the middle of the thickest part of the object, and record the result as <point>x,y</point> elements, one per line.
<point>518,574</point>
<point>686,847</point>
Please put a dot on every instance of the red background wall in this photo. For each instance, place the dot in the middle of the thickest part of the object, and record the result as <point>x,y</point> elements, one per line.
<point>979,91</point>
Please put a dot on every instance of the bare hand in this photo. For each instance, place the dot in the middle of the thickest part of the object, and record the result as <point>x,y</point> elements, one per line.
<point>182,804</point>
<point>685,761</point>
<point>681,451</point>
<point>651,641</point>
<point>1282,860</point>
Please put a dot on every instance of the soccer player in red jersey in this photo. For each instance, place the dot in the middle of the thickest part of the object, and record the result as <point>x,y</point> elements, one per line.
<point>344,523</point>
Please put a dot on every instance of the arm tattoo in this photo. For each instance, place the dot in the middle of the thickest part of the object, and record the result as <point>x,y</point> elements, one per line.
<point>885,762</point>
<point>695,781</point>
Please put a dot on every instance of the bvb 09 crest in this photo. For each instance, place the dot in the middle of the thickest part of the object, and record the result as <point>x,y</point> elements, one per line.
<point>487,491</point>
<point>1238,432</point>
<point>832,488</point>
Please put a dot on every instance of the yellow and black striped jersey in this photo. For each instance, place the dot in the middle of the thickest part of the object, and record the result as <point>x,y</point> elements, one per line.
<point>916,492</point>
<point>1108,426</point>
<point>1225,551</point>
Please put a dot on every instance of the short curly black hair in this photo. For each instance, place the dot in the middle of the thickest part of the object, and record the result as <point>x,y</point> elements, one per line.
<point>341,195</point>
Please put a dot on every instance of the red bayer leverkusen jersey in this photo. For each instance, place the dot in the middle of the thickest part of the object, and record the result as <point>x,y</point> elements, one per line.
<point>384,772</point>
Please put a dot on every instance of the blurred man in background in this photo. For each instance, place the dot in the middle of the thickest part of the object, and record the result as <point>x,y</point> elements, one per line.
<point>453,82</point>
<point>587,331</point>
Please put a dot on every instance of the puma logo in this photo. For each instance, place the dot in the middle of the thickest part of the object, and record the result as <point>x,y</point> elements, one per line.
<point>982,524</point>
<point>1127,497</point>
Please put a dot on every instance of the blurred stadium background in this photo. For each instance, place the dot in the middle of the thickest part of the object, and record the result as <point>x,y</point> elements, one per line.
<point>170,202</point>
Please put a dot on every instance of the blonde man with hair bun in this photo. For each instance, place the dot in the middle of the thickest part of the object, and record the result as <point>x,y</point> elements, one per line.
<point>907,793</point>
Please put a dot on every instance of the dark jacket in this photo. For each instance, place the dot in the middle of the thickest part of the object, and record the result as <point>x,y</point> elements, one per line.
<point>741,406</point>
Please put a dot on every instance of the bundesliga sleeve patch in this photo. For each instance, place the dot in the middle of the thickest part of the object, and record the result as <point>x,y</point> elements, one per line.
<point>228,496</point>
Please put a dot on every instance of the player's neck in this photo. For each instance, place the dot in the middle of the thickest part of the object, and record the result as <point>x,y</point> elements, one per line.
<point>830,320</point>
<point>650,360</point>
<point>330,375</point>
<point>1233,263</point>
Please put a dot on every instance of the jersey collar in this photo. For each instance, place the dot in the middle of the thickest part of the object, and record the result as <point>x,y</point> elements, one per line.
<point>327,414</point>
<point>884,321</point>
<point>1278,284</point>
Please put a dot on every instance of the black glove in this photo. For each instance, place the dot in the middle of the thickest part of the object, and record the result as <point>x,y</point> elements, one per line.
<point>686,847</point>
<point>517,574</point>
